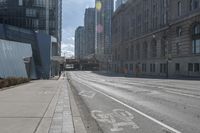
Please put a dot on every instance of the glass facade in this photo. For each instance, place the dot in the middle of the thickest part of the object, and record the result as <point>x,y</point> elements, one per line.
<point>37,15</point>
<point>12,55</point>
<point>196,39</point>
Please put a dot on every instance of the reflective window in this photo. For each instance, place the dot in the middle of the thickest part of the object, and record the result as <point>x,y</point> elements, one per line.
<point>179,31</point>
<point>145,50</point>
<point>177,67</point>
<point>30,12</point>
<point>178,48</point>
<point>194,4</point>
<point>154,48</point>
<point>20,2</point>
<point>196,39</point>
<point>3,1</point>
<point>179,8</point>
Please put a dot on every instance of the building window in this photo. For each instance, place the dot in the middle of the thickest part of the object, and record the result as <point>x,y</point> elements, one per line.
<point>20,3</point>
<point>144,67</point>
<point>30,12</point>
<point>163,68</point>
<point>190,67</point>
<point>196,67</point>
<point>132,52</point>
<point>127,53</point>
<point>3,1</point>
<point>165,12</point>
<point>179,8</point>
<point>194,4</point>
<point>40,3</point>
<point>154,48</point>
<point>152,68</point>
<point>196,29</point>
<point>196,39</point>
<point>178,48</point>
<point>196,46</point>
<point>145,50</point>
<point>138,51</point>
<point>126,67</point>
<point>163,47</point>
<point>179,31</point>
<point>131,67</point>
<point>177,67</point>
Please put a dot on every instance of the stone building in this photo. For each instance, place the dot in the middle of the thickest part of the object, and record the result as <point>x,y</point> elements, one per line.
<point>157,38</point>
<point>118,3</point>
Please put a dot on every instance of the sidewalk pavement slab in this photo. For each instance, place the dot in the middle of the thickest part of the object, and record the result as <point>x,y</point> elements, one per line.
<point>42,106</point>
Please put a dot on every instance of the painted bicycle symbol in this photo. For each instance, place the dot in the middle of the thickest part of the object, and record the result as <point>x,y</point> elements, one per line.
<point>88,94</point>
<point>126,119</point>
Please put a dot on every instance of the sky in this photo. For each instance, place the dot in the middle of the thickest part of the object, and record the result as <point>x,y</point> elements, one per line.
<point>73,16</point>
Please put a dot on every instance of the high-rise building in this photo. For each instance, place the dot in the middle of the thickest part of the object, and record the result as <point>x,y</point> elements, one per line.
<point>118,3</point>
<point>80,47</point>
<point>103,42</point>
<point>89,24</point>
<point>41,19</point>
<point>37,15</point>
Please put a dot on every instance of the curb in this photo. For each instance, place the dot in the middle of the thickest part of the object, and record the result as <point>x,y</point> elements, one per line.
<point>76,117</point>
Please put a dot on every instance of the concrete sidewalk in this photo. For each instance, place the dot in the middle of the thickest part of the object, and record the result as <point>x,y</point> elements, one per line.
<point>42,106</point>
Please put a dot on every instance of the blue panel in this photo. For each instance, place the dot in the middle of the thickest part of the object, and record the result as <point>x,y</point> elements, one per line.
<point>44,42</point>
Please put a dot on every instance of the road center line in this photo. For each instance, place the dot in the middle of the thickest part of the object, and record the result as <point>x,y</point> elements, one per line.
<point>135,110</point>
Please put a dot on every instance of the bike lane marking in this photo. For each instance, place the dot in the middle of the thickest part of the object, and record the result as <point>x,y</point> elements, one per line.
<point>125,117</point>
<point>88,94</point>
<point>135,110</point>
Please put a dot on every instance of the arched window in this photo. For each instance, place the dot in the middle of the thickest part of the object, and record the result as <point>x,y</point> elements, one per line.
<point>179,8</point>
<point>163,47</point>
<point>196,39</point>
<point>194,4</point>
<point>153,48</point>
<point>138,51</point>
<point>132,52</point>
<point>145,50</point>
<point>196,29</point>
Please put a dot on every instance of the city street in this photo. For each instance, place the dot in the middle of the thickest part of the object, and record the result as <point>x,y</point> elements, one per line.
<point>140,105</point>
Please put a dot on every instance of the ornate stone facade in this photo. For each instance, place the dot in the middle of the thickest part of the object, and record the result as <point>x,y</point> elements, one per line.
<point>159,38</point>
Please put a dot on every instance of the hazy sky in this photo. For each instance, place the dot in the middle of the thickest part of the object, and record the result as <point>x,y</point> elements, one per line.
<point>73,16</point>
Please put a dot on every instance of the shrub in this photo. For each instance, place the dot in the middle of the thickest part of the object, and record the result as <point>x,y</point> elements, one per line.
<point>11,81</point>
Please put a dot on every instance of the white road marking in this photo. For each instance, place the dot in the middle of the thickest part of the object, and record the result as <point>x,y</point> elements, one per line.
<point>136,110</point>
<point>182,94</point>
<point>88,94</point>
<point>125,117</point>
<point>168,90</point>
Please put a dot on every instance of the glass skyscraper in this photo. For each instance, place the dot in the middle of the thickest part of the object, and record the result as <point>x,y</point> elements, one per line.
<point>38,15</point>
<point>103,42</point>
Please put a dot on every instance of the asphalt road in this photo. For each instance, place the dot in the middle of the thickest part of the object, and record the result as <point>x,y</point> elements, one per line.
<point>140,105</point>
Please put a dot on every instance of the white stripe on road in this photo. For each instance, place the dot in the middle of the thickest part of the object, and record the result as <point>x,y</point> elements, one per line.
<point>182,94</point>
<point>134,109</point>
<point>168,90</point>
